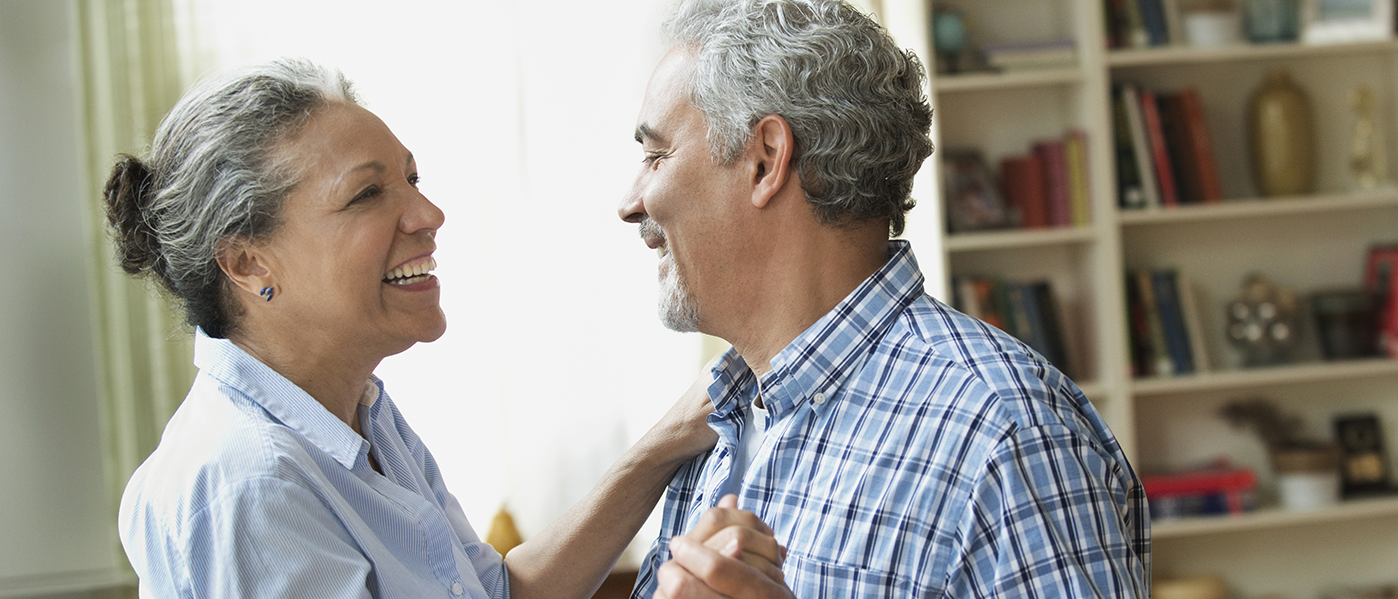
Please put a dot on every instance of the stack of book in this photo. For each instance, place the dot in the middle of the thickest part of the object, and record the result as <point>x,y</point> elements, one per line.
<point>1048,186</point>
<point>1164,153</point>
<point>1215,490</point>
<point>1165,329</point>
<point>1031,55</point>
<point>1028,311</point>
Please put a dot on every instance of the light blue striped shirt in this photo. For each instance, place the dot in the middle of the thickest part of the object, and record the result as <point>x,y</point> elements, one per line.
<point>913,451</point>
<point>256,490</point>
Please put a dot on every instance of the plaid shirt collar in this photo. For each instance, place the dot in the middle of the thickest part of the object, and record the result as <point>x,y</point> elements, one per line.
<point>815,364</point>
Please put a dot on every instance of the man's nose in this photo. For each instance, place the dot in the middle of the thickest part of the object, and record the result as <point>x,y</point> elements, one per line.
<point>632,209</point>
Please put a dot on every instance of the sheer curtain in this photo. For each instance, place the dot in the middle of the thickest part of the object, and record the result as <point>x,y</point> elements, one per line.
<point>131,73</point>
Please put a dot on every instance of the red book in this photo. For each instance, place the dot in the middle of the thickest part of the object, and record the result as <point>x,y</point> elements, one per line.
<point>1023,180</point>
<point>1187,184</point>
<point>1197,482</point>
<point>1381,279</point>
<point>1164,173</point>
<point>1201,146</point>
<point>1055,164</point>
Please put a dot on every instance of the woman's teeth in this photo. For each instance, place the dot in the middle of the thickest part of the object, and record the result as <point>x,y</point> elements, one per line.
<point>411,273</point>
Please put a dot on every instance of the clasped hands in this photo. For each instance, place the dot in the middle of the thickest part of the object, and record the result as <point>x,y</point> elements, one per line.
<point>730,553</point>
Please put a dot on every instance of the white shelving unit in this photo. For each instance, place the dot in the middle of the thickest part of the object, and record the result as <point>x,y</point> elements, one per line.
<point>1306,243</point>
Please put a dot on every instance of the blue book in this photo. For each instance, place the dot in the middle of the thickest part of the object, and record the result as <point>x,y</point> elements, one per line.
<point>1153,17</point>
<point>1167,298</point>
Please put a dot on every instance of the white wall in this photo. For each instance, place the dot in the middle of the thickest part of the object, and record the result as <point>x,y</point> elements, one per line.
<point>56,522</point>
<point>520,114</point>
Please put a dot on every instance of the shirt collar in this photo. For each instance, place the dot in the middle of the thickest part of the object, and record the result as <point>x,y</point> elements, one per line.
<point>825,354</point>
<point>283,400</point>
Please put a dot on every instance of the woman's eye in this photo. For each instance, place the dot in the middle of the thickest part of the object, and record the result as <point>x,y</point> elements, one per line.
<point>368,193</point>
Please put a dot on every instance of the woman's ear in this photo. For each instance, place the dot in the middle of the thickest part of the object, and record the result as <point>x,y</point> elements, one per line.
<point>771,150</point>
<point>245,264</point>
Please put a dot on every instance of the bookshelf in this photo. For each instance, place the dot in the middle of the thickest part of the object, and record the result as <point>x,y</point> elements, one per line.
<point>1306,243</point>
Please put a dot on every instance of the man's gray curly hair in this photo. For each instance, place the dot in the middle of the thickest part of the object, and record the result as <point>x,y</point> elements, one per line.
<point>853,99</point>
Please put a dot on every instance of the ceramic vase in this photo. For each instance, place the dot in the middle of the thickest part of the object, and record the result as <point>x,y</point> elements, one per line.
<point>1282,136</point>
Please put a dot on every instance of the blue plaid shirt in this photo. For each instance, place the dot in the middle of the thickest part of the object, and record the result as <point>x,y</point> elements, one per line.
<point>913,451</point>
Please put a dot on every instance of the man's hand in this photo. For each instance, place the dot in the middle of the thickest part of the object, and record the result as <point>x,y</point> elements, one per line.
<point>731,553</point>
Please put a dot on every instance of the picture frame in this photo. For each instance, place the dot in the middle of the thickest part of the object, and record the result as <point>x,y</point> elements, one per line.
<point>1346,21</point>
<point>973,199</point>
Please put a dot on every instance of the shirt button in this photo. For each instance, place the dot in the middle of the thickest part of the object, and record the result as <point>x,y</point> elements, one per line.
<point>820,399</point>
<point>457,589</point>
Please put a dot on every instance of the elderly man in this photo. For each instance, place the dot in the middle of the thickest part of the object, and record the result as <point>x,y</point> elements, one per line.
<point>897,448</point>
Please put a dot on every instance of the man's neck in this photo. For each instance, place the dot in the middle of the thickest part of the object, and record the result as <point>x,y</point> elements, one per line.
<point>797,286</point>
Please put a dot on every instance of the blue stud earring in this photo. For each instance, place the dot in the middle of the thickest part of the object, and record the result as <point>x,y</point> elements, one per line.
<point>266,293</point>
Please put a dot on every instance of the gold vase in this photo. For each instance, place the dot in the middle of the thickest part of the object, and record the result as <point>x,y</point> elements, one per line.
<point>1282,135</point>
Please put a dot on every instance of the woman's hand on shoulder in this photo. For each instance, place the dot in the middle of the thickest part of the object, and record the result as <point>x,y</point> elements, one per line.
<point>683,432</point>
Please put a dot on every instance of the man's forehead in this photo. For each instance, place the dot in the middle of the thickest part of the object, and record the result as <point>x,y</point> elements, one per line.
<point>665,95</point>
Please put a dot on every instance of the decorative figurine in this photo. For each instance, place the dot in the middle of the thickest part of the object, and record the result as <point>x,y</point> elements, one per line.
<point>1262,321</point>
<point>1366,162</point>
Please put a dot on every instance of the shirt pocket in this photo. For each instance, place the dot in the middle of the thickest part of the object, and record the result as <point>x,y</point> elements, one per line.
<point>810,578</point>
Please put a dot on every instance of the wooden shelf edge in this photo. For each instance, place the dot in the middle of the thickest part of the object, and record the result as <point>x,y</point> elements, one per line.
<point>1176,55</point>
<point>1271,375</point>
<point>1260,207</point>
<point>1013,238</point>
<point>1006,80</point>
<point>1354,509</point>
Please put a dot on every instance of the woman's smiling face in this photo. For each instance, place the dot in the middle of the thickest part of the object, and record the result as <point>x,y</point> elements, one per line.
<point>352,258</point>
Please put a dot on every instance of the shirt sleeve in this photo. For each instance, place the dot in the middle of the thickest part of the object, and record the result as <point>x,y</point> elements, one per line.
<point>1053,515</point>
<point>268,537</point>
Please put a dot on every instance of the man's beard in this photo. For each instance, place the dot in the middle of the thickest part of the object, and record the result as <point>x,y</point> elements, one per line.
<point>678,310</point>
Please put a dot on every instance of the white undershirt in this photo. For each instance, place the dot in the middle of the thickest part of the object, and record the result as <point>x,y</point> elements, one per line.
<point>754,428</point>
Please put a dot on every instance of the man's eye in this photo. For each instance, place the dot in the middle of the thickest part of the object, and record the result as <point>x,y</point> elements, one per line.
<point>653,157</point>
<point>413,179</point>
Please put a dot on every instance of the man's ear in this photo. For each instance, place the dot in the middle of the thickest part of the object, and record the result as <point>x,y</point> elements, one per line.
<point>773,145</point>
<point>244,263</point>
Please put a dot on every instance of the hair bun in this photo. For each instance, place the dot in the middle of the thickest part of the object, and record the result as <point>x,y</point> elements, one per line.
<point>127,195</point>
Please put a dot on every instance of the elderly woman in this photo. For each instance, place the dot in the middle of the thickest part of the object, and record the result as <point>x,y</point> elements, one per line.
<point>287,221</point>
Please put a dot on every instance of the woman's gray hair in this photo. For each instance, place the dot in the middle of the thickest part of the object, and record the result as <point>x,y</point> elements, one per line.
<point>853,99</point>
<point>213,174</point>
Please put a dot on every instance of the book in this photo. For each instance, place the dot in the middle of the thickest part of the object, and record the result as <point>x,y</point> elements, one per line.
<point>1153,18</point>
<point>1162,363</point>
<point>1381,279</point>
<point>1141,145</point>
<point>1187,184</point>
<point>1128,179</point>
<point>1136,29</point>
<point>1219,489</point>
<point>1193,320</point>
<point>1075,153</point>
<point>973,200</point>
<point>1160,154</point>
<point>1167,300</point>
<point>1141,354</point>
<point>1022,178</point>
<point>1051,153</point>
<point>1115,23</point>
<point>1026,311</point>
<point>1032,55</point>
<point>1201,146</point>
<point>1052,319</point>
<point>1022,323</point>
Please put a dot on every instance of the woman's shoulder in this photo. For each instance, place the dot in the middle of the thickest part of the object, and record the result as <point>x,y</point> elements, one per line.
<point>219,441</point>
